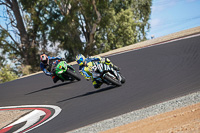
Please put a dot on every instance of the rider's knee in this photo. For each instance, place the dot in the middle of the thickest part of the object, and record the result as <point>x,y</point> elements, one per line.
<point>96,84</point>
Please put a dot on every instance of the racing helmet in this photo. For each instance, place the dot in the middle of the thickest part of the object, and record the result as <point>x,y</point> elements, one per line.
<point>44,58</point>
<point>80,59</point>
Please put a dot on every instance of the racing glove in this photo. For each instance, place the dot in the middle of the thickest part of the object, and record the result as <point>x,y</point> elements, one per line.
<point>87,78</point>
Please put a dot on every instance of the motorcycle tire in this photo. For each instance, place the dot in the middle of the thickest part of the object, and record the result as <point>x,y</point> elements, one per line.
<point>73,74</point>
<point>123,79</point>
<point>111,80</point>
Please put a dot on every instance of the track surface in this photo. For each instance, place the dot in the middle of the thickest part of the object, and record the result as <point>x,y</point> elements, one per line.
<point>153,75</point>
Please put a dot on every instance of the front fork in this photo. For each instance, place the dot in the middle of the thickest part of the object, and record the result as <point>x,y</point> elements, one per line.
<point>70,67</point>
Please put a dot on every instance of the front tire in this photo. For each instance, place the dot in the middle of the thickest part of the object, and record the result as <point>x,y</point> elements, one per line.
<point>111,80</point>
<point>73,74</point>
<point>123,79</point>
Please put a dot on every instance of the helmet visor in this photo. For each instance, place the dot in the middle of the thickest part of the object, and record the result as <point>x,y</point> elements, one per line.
<point>80,62</point>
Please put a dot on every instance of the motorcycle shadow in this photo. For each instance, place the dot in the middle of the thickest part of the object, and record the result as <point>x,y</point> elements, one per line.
<point>51,87</point>
<point>89,93</point>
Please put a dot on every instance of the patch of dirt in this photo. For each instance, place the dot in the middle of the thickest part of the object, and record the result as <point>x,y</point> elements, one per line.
<point>183,120</point>
<point>7,117</point>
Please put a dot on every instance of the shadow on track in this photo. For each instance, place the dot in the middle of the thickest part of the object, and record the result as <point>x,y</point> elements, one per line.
<point>47,88</point>
<point>89,93</point>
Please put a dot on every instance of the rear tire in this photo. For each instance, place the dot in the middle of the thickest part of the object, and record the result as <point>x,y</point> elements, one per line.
<point>111,80</point>
<point>73,74</point>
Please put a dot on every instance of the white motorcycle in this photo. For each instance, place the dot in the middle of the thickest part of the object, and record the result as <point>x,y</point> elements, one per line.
<point>106,74</point>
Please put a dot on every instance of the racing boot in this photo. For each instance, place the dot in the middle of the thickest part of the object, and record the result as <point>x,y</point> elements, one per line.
<point>96,84</point>
<point>55,78</point>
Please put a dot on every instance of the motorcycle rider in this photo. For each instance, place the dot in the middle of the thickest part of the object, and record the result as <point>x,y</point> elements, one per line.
<point>46,66</point>
<point>86,63</point>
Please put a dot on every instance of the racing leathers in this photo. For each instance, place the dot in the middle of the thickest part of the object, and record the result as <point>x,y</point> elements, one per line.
<point>47,68</point>
<point>85,69</point>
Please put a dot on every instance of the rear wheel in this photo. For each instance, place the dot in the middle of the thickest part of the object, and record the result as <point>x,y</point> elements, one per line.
<point>112,80</point>
<point>73,74</point>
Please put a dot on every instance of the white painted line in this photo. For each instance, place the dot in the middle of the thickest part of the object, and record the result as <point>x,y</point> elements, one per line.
<point>34,116</point>
<point>30,120</point>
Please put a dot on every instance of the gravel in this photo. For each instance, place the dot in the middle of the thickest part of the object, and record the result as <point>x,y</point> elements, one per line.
<point>153,110</point>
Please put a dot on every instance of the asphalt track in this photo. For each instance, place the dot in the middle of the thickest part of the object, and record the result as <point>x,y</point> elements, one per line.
<point>153,75</point>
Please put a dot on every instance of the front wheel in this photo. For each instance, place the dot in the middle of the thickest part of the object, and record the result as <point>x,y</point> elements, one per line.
<point>123,80</point>
<point>112,80</point>
<point>73,74</point>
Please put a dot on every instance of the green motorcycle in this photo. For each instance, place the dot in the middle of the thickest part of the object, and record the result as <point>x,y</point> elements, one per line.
<point>65,71</point>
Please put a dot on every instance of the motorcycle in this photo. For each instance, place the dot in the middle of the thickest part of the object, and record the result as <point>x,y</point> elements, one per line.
<point>65,71</point>
<point>106,74</point>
